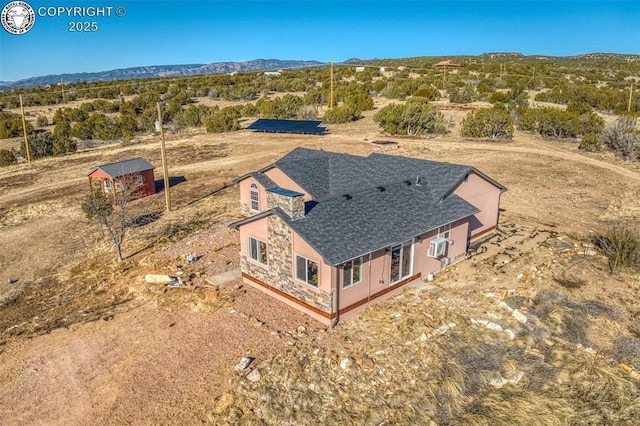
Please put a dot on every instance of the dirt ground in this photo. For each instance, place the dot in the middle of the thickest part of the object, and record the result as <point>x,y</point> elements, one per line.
<point>84,340</point>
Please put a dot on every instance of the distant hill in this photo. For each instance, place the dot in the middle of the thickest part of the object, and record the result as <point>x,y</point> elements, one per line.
<point>159,71</point>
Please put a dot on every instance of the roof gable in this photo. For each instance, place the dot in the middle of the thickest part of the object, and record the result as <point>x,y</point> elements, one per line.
<point>122,168</point>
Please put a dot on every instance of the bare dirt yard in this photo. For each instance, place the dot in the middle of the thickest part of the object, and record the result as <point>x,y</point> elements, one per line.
<point>85,340</point>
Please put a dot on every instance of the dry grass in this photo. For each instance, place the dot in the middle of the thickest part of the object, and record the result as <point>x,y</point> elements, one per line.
<point>401,376</point>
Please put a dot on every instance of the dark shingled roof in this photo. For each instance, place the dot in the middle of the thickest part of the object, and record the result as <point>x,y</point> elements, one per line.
<point>122,168</point>
<point>362,204</point>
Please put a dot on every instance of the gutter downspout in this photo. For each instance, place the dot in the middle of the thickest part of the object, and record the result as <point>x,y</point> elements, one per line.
<point>335,322</point>
<point>369,290</point>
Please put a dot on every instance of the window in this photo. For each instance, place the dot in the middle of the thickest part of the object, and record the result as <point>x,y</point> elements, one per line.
<point>255,198</point>
<point>445,231</point>
<point>107,186</point>
<point>352,273</point>
<point>257,250</point>
<point>139,179</point>
<point>307,271</point>
<point>401,261</point>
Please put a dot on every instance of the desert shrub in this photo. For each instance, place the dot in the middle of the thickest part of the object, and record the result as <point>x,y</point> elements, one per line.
<point>7,157</point>
<point>620,243</point>
<point>40,145</point>
<point>591,123</point>
<point>487,123</point>
<point>579,107</point>
<point>225,120</point>
<point>11,125</point>
<point>342,114</point>
<point>428,92</point>
<point>462,95</point>
<point>635,328</point>
<point>416,117</point>
<point>623,138</point>
<point>42,121</point>
<point>63,146</point>
<point>193,116</point>
<point>590,143</point>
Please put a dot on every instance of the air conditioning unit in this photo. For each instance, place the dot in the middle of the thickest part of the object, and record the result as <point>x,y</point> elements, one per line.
<point>438,247</point>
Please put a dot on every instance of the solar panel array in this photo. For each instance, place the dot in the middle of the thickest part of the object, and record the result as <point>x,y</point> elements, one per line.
<point>307,127</point>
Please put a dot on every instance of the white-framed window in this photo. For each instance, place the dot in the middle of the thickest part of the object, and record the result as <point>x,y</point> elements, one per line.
<point>254,194</point>
<point>307,271</point>
<point>257,250</point>
<point>139,179</point>
<point>444,232</point>
<point>401,261</point>
<point>107,186</point>
<point>352,273</point>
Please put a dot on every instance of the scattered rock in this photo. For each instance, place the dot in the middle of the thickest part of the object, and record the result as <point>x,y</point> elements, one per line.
<point>244,363</point>
<point>346,363</point>
<point>157,278</point>
<point>302,329</point>
<point>254,376</point>
<point>191,258</point>
<point>519,316</point>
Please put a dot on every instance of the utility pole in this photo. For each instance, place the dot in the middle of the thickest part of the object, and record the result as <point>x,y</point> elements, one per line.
<point>24,130</point>
<point>163,150</point>
<point>331,88</point>
<point>62,86</point>
<point>630,94</point>
<point>444,78</point>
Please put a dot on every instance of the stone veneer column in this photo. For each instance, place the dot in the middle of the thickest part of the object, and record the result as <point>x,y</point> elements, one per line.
<point>292,205</point>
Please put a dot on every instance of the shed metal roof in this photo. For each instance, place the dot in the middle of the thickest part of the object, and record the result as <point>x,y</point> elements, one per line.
<point>123,168</point>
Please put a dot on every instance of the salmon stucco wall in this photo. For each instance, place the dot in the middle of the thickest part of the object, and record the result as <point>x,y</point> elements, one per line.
<point>376,272</point>
<point>485,196</point>
<point>245,197</point>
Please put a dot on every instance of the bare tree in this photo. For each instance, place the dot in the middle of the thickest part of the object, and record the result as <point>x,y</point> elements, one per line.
<point>112,210</point>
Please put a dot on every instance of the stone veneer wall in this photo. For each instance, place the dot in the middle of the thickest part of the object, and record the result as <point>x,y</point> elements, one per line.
<point>292,206</point>
<point>244,210</point>
<point>279,275</point>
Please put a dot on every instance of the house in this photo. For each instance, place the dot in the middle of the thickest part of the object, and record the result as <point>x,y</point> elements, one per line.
<point>328,233</point>
<point>447,66</point>
<point>106,177</point>
<point>359,69</point>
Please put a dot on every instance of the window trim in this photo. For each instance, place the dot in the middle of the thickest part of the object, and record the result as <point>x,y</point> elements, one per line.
<point>411,243</point>
<point>256,260</point>
<point>350,262</point>
<point>444,232</point>
<point>306,271</point>
<point>253,189</point>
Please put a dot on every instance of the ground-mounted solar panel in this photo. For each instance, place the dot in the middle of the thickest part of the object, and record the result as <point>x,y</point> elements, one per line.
<point>307,127</point>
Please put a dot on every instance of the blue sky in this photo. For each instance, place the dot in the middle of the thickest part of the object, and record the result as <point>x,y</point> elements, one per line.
<point>191,31</point>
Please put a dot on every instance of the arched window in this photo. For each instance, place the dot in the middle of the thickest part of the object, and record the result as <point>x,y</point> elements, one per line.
<point>255,198</point>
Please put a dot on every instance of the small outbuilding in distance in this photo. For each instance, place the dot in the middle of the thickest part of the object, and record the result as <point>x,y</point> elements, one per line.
<point>114,175</point>
<point>447,65</point>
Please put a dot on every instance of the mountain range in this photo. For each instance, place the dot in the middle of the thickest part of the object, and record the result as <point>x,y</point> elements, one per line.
<point>156,71</point>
